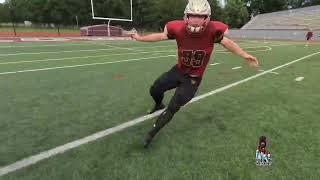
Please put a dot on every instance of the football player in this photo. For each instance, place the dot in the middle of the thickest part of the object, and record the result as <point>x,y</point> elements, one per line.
<point>309,35</point>
<point>195,37</point>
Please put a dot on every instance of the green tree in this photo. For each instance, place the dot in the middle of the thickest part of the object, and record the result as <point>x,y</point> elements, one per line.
<point>236,13</point>
<point>295,3</point>
<point>311,2</point>
<point>164,11</point>
<point>216,10</point>
<point>266,6</point>
<point>4,13</point>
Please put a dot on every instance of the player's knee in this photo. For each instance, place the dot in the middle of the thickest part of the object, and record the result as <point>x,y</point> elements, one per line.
<point>184,99</point>
<point>179,101</point>
<point>174,107</point>
<point>164,118</point>
<point>154,90</point>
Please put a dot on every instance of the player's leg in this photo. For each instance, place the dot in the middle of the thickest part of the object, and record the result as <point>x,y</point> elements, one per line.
<point>307,42</point>
<point>165,82</point>
<point>184,93</point>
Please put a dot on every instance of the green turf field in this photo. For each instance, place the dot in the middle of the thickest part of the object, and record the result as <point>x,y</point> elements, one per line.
<point>55,93</point>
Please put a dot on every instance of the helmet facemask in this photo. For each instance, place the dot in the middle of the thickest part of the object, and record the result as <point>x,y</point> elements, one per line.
<point>196,23</point>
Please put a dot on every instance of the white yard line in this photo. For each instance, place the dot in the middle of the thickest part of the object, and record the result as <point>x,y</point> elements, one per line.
<point>57,52</point>
<point>277,45</point>
<point>235,68</point>
<point>86,43</point>
<point>83,50</point>
<point>270,72</point>
<point>251,77</point>
<point>119,47</point>
<point>246,49</point>
<point>48,45</point>
<point>81,57</point>
<point>214,64</point>
<point>268,48</point>
<point>299,79</point>
<point>71,145</point>
<point>80,65</point>
<point>150,47</point>
<point>128,42</point>
<point>71,58</point>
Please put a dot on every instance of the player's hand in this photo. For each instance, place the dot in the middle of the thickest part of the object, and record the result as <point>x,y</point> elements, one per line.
<point>252,60</point>
<point>135,36</point>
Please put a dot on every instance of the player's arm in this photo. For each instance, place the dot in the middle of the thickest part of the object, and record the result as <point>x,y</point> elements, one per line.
<point>151,37</point>
<point>235,49</point>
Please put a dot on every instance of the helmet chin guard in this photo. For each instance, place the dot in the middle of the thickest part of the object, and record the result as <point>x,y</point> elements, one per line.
<point>195,29</point>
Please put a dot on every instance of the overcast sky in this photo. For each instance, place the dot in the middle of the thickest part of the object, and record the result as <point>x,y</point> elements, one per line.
<point>1,1</point>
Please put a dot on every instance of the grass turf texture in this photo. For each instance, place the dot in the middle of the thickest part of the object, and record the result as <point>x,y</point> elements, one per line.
<point>214,138</point>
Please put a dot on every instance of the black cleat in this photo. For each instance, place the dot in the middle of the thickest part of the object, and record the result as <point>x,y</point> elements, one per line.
<point>147,141</point>
<point>156,108</point>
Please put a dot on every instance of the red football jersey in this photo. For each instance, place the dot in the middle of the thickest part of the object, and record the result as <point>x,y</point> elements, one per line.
<point>194,49</point>
<point>309,34</point>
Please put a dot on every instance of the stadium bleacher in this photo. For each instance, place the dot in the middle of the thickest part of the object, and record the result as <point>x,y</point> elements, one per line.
<point>283,25</point>
<point>296,19</point>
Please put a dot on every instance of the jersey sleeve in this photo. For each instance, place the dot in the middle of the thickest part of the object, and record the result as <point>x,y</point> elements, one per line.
<point>171,30</point>
<point>220,26</point>
<point>220,29</point>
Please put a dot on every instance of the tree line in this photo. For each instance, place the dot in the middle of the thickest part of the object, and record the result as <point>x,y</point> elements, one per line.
<point>147,14</point>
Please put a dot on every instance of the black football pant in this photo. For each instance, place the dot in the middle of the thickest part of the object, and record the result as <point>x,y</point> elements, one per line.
<point>186,88</point>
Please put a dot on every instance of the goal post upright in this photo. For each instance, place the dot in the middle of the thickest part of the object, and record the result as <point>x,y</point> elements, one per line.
<point>109,19</point>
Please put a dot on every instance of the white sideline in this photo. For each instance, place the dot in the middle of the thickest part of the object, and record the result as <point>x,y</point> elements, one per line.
<point>56,52</point>
<point>84,43</point>
<point>117,47</point>
<point>81,57</point>
<point>95,56</point>
<point>47,45</point>
<point>81,65</point>
<point>83,50</point>
<point>71,145</point>
<point>89,50</point>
